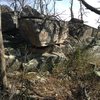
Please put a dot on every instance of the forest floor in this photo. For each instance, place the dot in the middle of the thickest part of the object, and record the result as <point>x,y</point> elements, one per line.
<point>71,84</point>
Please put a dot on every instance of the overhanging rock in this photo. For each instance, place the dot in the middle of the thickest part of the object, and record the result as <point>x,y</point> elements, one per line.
<point>43,32</point>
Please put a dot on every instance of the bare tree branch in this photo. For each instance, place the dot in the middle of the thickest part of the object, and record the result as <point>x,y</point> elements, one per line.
<point>88,6</point>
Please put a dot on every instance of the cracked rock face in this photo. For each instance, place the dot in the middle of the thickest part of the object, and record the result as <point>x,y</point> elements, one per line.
<point>40,34</point>
<point>38,31</point>
<point>42,31</point>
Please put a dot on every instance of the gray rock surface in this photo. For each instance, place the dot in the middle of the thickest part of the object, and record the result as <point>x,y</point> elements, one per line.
<point>45,62</point>
<point>43,32</point>
<point>29,12</point>
<point>7,20</point>
<point>52,40</point>
<point>33,62</point>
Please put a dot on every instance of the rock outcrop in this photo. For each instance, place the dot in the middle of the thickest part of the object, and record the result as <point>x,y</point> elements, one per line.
<point>29,12</point>
<point>44,32</point>
<point>7,21</point>
<point>33,62</point>
<point>39,30</point>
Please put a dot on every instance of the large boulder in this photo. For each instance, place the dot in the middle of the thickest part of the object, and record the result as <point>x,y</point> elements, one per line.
<point>39,31</point>
<point>43,32</point>
<point>7,20</point>
<point>29,12</point>
<point>82,35</point>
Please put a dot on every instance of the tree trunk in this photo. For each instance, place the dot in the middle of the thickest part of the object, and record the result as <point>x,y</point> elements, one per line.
<point>3,78</point>
<point>71,9</point>
<point>41,7</point>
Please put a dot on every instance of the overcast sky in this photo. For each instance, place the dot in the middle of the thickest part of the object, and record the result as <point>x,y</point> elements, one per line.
<point>62,8</point>
<point>90,18</point>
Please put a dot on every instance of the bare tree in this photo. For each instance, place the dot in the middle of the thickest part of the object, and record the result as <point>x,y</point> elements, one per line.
<point>23,3</point>
<point>88,6</point>
<point>81,10</point>
<point>17,4</point>
<point>71,9</point>
<point>3,77</point>
<point>41,6</point>
<point>47,2</point>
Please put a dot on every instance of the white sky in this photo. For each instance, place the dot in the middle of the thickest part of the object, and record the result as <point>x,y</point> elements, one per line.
<point>62,8</point>
<point>90,18</point>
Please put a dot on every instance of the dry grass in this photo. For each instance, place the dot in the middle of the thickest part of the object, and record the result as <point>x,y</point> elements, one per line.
<point>72,80</point>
